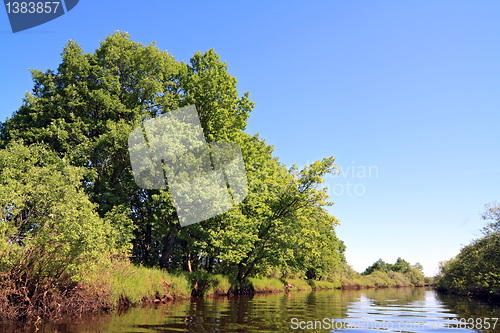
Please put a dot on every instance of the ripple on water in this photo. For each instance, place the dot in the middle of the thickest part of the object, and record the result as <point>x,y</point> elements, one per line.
<point>430,314</point>
<point>352,311</point>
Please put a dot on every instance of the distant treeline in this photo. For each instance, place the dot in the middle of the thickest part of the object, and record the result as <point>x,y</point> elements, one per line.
<point>382,274</point>
<point>475,271</point>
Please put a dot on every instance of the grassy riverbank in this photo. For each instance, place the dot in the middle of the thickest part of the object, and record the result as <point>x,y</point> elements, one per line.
<point>128,284</point>
<point>120,284</point>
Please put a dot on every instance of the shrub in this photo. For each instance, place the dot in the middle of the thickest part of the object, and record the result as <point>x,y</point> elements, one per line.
<point>50,233</point>
<point>475,270</point>
<point>399,279</point>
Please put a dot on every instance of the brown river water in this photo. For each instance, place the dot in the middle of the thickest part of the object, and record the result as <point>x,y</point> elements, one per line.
<point>350,311</point>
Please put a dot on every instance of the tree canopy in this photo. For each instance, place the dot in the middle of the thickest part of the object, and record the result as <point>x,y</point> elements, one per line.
<point>412,272</point>
<point>476,269</point>
<point>79,117</point>
<point>491,214</point>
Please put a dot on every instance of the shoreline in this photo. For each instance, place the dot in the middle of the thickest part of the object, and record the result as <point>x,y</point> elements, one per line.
<point>481,296</point>
<point>122,284</point>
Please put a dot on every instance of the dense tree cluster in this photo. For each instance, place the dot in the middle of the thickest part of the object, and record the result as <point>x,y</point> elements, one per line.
<point>476,269</point>
<point>68,192</point>
<point>400,270</point>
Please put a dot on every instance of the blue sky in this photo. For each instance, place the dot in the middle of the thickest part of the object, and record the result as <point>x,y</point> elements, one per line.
<point>407,90</point>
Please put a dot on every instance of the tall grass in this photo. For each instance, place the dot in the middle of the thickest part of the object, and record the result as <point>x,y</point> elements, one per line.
<point>299,285</point>
<point>324,285</point>
<point>219,285</point>
<point>262,285</point>
<point>125,282</point>
<point>137,283</point>
<point>205,284</point>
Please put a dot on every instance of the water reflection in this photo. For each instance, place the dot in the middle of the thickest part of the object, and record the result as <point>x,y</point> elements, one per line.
<point>353,311</point>
<point>470,309</point>
<point>417,310</point>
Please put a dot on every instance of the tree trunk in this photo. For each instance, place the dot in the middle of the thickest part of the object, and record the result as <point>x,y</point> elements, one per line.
<point>209,264</point>
<point>189,263</point>
<point>244,270</point>
<point>147,244</point>
<point>168,247</point>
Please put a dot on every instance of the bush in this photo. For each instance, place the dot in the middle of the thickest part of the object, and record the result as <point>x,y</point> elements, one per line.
<point>377,279</point>
<point>399,279</point>
<point>429,281</point>
<point>205,284</point>
<point>50,232</point>
<point>475,270</point>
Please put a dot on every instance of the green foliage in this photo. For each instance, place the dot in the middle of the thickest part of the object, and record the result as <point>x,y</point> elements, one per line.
<point>378,265</point>
<point>299,285</point>
<point>219,285</point>
<point>476,269</point>
<point>262,285</point>
<point>401,273</point>
<point>377,279</point>
<point>206,83</point>
<point>136,283</point>
<point>70,195</point>
<point>206,284</point>
<point>429,280</point>
<point>48,226</point>
<point>85,111</point>
<point>324,285</point>
<point>400,280</point>
<point>492,215</point>
<point>291,229</point>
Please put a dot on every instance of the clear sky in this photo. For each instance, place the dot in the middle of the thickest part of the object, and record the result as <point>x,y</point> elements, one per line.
<point>404,93</point>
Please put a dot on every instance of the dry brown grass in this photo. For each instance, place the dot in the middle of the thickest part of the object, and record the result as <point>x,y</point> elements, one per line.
<point>26,299</point>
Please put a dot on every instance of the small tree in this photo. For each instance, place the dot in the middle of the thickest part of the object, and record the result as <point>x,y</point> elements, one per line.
<point>49,230</point>
<point>492,215</point>
<point>378,265</point>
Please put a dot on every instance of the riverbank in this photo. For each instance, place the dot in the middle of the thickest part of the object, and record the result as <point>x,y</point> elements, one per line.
<point>129,284</point>
<point>483,295</point>
<point>475,271</point>
<point>269,312</point>
<point>121,284</point>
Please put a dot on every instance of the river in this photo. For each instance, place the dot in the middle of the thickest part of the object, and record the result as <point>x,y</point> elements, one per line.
<point>354,311</point>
